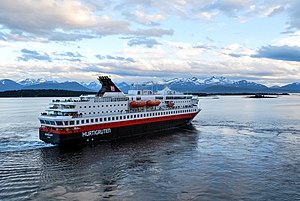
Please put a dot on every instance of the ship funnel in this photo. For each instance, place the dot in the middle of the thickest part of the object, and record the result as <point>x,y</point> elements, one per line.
<point>107,85</point>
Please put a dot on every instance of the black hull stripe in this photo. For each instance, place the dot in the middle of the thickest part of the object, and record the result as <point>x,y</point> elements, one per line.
<point>124,123</point>
<point>107,134</point>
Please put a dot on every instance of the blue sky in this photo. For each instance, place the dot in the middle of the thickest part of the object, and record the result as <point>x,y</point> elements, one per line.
<point>130,40</point>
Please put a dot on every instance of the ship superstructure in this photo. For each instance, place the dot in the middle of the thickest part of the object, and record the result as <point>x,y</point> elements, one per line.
<point>110,114</point>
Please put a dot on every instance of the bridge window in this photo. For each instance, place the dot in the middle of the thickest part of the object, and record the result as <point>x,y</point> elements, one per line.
<point>77,122</point>
<point>42,121</point>
<point>82,121</point>
<point>72,122</point>
<point>66,123</point>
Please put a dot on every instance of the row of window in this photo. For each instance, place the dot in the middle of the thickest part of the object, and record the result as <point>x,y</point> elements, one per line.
<point>102,112</point>
<point>181,101</point>
<point>94,106</point>
<point>178,97</point>
<point>121,117</point>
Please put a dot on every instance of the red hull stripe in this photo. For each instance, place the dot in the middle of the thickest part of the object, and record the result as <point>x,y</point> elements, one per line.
<point>84,128</point>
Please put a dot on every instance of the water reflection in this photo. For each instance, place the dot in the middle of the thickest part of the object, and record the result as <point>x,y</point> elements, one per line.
<point>113,169</point>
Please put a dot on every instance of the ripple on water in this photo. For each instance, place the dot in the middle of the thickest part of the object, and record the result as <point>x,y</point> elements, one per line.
<point>225,157</point>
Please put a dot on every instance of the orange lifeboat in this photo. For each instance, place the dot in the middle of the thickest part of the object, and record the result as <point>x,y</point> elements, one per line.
<point>170,104</point>
<point>135,104</point>
<point>151,103</point>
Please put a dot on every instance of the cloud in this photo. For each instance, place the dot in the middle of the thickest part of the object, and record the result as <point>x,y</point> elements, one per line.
<point>55,56</point>
<point>41,16</point>
<point>69,20</point>
<point>48,20</point>
<point>236,55</point>
<point>204,46</point>
<point>272,9</point>
<point>154,32</point>
<point>98,56</point>
<point>67,56</point>
<point>147,42</point>
<point>163,62</point>
<point>61,36</point>
<point>2,36</point>
<point>117,58</point>
<point>74,20</point>
<point>108,26</point>
<point>4,44</point>
<point>33,55</point>
<point>21,37</point>
<point>291,39</point>
<point>294,15</point>
<point>230,7</point>
<point>290,7</point>
<point>285,53</point>
<point>140,17</point>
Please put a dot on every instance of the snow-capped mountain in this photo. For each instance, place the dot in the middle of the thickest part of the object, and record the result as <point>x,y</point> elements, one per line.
<point>94,86</point>
<point>71,86</point>
<point>294,87</point>
<point>246,84</point>
<point>7,84</point>
<point>214,80</point>
<point>29,81</point>
<point>28,84</point>
<point>212,84</point>
<point>217,81</point>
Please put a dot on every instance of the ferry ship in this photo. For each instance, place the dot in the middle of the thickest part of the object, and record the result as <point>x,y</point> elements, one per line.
<point>111,114</point>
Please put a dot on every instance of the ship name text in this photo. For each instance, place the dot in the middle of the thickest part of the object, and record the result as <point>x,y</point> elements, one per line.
<point>96,132</point>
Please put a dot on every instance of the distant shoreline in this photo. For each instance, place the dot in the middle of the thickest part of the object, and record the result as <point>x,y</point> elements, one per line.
<point>67,93</point>
<point>238,94</point>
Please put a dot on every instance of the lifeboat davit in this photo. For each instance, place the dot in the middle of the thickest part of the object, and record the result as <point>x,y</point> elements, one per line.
<point>135,104</point>
<point>152,103</point>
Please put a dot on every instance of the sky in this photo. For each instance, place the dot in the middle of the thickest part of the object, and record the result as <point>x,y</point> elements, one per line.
<point>142,40</point>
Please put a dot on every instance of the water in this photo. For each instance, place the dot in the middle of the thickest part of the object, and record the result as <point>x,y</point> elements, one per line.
<point>238,149</point>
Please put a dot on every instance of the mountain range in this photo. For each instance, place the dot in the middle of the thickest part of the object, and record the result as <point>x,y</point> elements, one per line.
<point>212,84</point>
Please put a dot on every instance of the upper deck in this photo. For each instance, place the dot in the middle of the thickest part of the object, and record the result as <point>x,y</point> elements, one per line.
<point>111,101</point>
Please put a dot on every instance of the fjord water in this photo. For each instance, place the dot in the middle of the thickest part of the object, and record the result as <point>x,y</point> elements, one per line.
<point>237,149</point>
